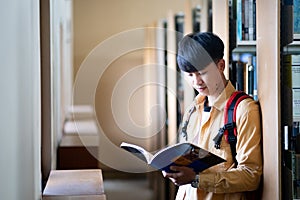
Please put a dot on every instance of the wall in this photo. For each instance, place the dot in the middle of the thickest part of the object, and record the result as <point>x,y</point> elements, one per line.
<point>20,125</point>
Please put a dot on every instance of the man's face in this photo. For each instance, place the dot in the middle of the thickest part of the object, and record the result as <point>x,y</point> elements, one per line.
<point>209,81</point>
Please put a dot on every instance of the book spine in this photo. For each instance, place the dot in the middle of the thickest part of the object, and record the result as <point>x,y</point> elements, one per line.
<point>297,176</point>
<point>255,92</point>
<point>250,69</point>
<point>296,137</point>
<point>296,104</point>
<point>296,16</point>
<point>251,20</point>
<point>286,91</point>
<point>296,86</point>
<point>296,71</point>
<point>240,76</point>
<point>239,25</point>
<point>243,19</point>
<point>254,19</point>
<point>246,19</point>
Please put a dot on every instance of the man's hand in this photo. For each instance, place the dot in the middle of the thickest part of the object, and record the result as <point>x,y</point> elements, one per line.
<point>181,175</point>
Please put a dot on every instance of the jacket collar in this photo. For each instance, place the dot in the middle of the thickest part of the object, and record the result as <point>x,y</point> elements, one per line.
<point>221,100</point>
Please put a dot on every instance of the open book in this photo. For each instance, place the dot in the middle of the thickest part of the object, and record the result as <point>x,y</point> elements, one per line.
<point>181,154</point>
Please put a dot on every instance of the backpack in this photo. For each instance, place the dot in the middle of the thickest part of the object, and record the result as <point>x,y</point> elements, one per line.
<point>229,129</point>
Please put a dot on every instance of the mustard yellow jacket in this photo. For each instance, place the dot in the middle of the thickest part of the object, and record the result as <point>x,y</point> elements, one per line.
<point>224,181</point>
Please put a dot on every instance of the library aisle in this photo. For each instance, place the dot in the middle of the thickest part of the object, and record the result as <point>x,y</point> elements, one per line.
<point>116,189</point>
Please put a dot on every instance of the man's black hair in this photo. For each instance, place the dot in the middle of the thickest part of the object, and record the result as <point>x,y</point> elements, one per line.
<point>197,50</point>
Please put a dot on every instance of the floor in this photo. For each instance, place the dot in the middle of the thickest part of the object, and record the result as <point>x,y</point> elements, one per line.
<point>126,186</point>
<point>127,189</point>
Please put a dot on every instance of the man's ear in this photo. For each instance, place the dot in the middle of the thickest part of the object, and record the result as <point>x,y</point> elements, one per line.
<point>221,65</point>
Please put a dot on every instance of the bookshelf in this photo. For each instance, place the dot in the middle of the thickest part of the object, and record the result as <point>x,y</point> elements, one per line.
<point>268,13</point>
<point>242,46</point>
<point>268,51</point>
<point>272,49</point>
<point>290,106</point>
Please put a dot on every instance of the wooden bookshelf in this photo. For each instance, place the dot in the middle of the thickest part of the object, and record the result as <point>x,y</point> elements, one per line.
<point>268,46</point>
<point>268,62</point>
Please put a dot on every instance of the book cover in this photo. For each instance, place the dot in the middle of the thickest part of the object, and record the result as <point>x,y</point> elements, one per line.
<point>180,154</point>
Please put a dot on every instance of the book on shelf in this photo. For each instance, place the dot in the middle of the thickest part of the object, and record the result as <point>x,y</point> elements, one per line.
<point>290,173</point>
<point>245,17</point>
<point>243,73</point>
<point>255,88</point>
<point>296,136</point>
<point>296,86</point>
<point>240,75</point>
<point>180,154</point>
<point>286,22</point>
<point>250,77</point>
<point>246,20</point>
<point>296,17</point>
<point>286,90</point>
<point>296,71</point>
<point>254,19</point>
<point>232,25</point>
<point>297,176</point>
<point>239,21</point>
<point>296,104</point>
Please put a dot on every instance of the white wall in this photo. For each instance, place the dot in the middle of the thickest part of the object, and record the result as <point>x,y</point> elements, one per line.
<point>20,100</point>
<point>61,67</point>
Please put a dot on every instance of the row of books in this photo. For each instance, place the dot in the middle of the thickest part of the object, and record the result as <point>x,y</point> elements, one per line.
<point>246,20</point>
<point>295,62</point>
<point>291,161</point>
<point>243,73</point>
<point>291,138</point>
<point>296,13</point>
<point>292,175</point>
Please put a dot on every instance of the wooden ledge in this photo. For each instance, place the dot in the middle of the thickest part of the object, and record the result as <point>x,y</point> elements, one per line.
<point>74,184</point>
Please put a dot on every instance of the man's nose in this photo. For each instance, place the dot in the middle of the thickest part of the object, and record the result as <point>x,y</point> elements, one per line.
<point>197,79</point>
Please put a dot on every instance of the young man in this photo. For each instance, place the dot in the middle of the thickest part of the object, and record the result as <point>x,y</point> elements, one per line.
<point>200,56</point>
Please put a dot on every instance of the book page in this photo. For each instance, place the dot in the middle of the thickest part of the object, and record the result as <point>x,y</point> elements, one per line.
<point>137,151</point>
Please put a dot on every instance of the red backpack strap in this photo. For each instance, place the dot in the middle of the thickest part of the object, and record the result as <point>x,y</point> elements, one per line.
<point>229,129</point>
<point>230,113</point>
